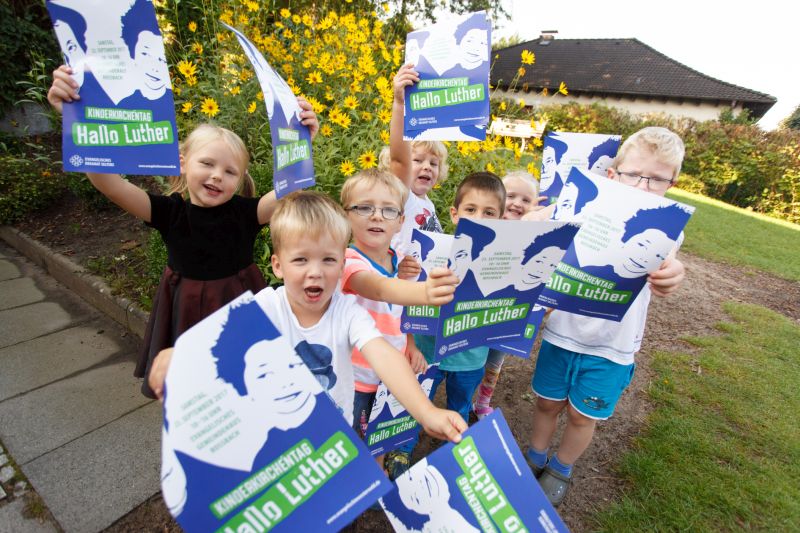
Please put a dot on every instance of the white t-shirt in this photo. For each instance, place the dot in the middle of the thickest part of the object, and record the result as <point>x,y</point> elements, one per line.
<point>326,346</point>
<point>420,213</point>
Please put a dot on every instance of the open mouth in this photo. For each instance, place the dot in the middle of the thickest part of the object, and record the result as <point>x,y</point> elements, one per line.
<point>212,190</point>
<point>425,179</point>
<point>313,293</point>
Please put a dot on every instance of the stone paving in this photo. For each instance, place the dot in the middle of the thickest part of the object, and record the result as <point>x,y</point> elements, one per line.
<point>76,433</point>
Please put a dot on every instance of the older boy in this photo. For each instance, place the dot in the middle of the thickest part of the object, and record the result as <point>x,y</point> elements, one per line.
<point>586,363</point>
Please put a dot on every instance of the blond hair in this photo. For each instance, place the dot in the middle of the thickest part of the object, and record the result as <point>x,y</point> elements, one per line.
<point>525,176</point>
<point>436,148</point>
<point>373,178</point>
<point>665,145</point>
<point>201,136</point>
<point>308,214</point>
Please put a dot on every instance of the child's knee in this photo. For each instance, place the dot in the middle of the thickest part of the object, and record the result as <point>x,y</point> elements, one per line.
<point>576,418</point>
<point>549,407</point>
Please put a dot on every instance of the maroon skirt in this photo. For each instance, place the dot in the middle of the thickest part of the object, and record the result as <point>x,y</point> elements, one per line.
<point>180,303</point>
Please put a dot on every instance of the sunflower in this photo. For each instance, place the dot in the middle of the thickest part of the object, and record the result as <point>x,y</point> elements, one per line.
<point>210,107</point>
<point>367,160</point>
<point>347,168</point>
<point>563,89</point>
<point>385,137</point>
<point>351,102</point>
<point>314,77</point>
<point>384,116</point>
<point>528,57</point>
<point>186,107</point>
<point>192,26</point>
<point>285,13</point>
<point>325,130</point>
<point>251,108</point>
<point>187,68</point>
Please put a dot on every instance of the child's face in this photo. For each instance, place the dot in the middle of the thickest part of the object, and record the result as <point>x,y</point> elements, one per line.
<point>310,269</point>
<point>213,173</point>
<point>643,163</point>
<point>425,170</point>
<point>373,232</point>
<point>477,204</point>
<point>520,197</point>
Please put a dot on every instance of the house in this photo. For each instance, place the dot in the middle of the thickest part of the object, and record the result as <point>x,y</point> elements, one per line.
<point>621,73</point>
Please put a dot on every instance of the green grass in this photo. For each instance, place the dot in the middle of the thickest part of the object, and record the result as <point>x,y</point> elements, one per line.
<point>721,451</point>
<point>722,232</point>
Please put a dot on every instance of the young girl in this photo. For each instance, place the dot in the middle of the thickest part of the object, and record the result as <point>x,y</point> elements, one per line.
<point>209,228</point>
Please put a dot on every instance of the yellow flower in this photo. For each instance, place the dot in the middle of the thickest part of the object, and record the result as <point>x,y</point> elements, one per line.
<point>528,57</point>
<point>366,115</point>
<point>296,19</point>
<point>187,68</point>
<point>347,168</point>
<point>318,106</point>
<point>537,141</point>
<point>236,89</point>
<point>227,17</point>
<point>285,13</point>
<point>545,91</point>
<point>351,102</point>
<point>191,81</point>
<point>367,160</point>
<point>502,106</point>
<point>385,7</point>
<point>385,137</point>
<point>252,107</point>
<point>531,168</point>
<point>186,107</point>
<point>521,102</point>
<point>384,116</point>
<point>307,20</point>
<point>260,96</point>
<point>563,89</point>
<point>192,26</point>
<point>521,71</point>
<point>325,130</point>
<point>289,34</point>
<point>197,48</point>
<point>210,107</point>
<point>489,167</point>
<point>252,6</point>
<point>314,77</point>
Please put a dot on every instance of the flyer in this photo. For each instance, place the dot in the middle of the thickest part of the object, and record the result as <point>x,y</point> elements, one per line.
<point>293,166</point>
<point>626,234</point>
<point>250,440</point>
<point>124,121</point>
<point>564,150</point>
<point>390,425</point>
<point>524,346</point>
<point>480,484</point>
<point>503,265</point>
<point>431,250</point>
<point>451,99</point>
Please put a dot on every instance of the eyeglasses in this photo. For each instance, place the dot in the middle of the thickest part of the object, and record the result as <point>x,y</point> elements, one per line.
<point>388,213</point>
<point>653,183</point>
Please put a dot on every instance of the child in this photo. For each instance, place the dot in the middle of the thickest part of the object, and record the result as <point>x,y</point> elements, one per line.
<point>310,233</point>
<point>585,363</point>
<point>209,230</point>
<point>481,195</point>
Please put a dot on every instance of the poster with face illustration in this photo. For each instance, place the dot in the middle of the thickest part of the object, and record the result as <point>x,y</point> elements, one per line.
<point>293,166</point>
<point>390,425</point>
<point>431,250</point>
<point>563,150</point>
<point>626,234</point>
<point>451,100</point>
<point>503,265</point>
<point>250,440</point>
<point>480,484</point>
<point>124,121</point>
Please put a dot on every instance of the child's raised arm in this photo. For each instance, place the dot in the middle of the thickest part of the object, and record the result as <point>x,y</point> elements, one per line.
<point>399,150</point>
<point>438,289</point>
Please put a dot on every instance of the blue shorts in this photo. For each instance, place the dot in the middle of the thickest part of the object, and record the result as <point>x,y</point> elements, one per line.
<point>592,384</point>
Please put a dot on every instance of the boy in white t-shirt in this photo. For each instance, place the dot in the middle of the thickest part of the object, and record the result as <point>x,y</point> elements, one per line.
<point>309,234</point>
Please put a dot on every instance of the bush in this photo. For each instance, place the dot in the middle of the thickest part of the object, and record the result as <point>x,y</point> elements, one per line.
<point>27,186</point>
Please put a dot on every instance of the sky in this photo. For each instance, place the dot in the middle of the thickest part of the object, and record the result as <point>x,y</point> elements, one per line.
<point>750,44</point>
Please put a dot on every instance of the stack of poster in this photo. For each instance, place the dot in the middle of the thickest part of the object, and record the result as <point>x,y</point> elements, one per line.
<point>479,484</point>
<point>251,442</point>
<point>431,250</point>
<point>562,151</point>
<point>626,234</point>
<point>451,100</point>
<point>124,121</point>
<point>293,166</point>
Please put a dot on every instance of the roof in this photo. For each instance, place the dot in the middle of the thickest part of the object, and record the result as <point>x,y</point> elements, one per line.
<point>618,67</point>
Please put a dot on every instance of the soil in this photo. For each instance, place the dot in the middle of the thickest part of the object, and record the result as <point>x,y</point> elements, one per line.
<point>72,229</point>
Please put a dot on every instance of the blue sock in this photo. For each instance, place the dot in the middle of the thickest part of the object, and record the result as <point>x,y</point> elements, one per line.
<point>536,457</point>
<point>558,466</point>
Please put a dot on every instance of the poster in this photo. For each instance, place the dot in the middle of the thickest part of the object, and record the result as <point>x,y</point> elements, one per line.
<point>451,100</point>
<point>563,150</point>
<point>626,234</point>
<point>124,122</point>
<point>480,484</point>
<point>503,265</point>
<point>431,250</point>
<point>390,425</point>
<point>522,347</point>
<point>293,166</point>
<point>250,440</point>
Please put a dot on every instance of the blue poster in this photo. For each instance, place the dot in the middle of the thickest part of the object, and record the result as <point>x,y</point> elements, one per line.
<point>523,347</point>
<point>250,441</point>
<point>124,122</point>
<point>451,99</point>
<point>626,234</point>
<point>390,425</point>
<point>563,150</point>
<point>502,266</point>
<point>293,166</point>
<point>431,250</point>
<point>480,484</point>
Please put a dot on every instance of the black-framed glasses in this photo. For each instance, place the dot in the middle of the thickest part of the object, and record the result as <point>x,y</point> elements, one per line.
<point>388,213</point>
<point>653,183</point>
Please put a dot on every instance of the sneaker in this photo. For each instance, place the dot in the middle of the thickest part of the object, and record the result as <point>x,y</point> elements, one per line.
<point>536,469</point>
<point>481,412</point>
<point>555,485</point>
<point>396,463</point>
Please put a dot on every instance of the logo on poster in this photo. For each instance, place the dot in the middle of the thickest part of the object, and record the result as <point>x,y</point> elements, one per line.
<point>76,160</point>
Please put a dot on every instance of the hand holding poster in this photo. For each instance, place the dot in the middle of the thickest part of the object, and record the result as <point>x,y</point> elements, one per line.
<point>250,441</point>
<point>626,234</point>
<point>124,121</point>
<point>293,166</point>
<point>562,151</point>
<point>481,484</point>
<point>451,99</point>
<point>431,250</point>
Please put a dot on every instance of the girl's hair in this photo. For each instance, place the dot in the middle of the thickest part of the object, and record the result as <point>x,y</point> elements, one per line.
<point>662,144</point>
<point>436,148</point>
<point>204,134</point>
<point>371,178</point>
<point>525,176</point>
<point>308,214</point>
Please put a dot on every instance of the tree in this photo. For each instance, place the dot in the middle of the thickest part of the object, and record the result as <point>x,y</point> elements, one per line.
<point>793,121</point>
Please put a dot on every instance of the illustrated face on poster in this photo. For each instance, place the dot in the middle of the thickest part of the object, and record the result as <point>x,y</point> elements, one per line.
<point>474,48</point>
<point>150,60</point>
<point>461,255</point>
<point>549,166</point>
<point>423,490</point>
<point>431,250</point>
<point>643,253</point>
<point>74,54</point>
<point>538,268</point>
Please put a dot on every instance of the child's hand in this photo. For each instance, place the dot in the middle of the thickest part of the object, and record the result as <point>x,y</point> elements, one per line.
<point>440,286</point>
<point>415,358</point>
<point>668,278</point>
<point>158,372</point>
<point>443,424</point>
<point>64,88</point>
<point>405,77</point>
<point>408,268</point>
<point>308,117</point>
<point>540,212</point>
